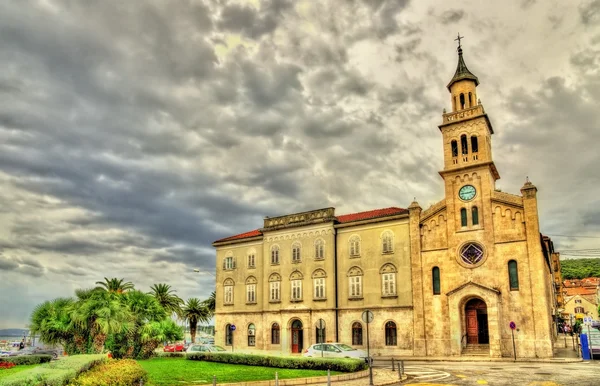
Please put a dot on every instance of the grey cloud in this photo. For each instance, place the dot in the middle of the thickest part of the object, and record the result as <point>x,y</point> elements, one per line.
<point>452,16</point>
<point>590,12</point>
<point>7,264</point>
<point>251,22</point>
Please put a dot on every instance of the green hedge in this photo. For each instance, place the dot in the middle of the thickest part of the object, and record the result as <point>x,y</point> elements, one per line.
<point>27,359</point>
<point>124,372</point>
<point>345,365</point>
<point>56,373</point>
<point>169,354</point>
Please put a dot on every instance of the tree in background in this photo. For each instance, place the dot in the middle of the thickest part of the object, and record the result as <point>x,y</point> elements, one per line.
<point>195,311</point>
<point>167,299</point>
<point>129,323</point>
<point>210,303</point>
<point>115,285</point>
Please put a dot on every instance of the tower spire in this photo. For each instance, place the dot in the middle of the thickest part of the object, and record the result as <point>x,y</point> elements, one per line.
<point>462,72</point>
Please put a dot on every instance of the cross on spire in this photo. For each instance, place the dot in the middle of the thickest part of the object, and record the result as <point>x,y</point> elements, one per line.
<point>458,38</point>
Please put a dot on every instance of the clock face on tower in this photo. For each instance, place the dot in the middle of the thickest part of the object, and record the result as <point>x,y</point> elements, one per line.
<point>467,192</point>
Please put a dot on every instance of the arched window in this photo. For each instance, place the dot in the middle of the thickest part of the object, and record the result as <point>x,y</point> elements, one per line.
<point>463,144</point>
<point>475,215</point>
<point>274,288</point>
<point>274,254</point>
<point>454,146</point>
<point>390,334</point>
<point>319,249</point>
<point>435,278</point>
<point>275,333</point>
<point>228,335</point>
<point>354,246</point>
<point>296,252</point>
<point>251,335</point>
<point>470,100</point>
<point>387,242</point>
<point>296,286</point>
<point>388,280</point>
<point>228,291</point>
<point>463,217</point>
<point>319,284</point>
<point>251,290</point>
<point>462,101</point>
<point>513,275</point>
<point>474,144</point>
<point>357,339</point>
<point>355,282</point>
<point>320,331</point>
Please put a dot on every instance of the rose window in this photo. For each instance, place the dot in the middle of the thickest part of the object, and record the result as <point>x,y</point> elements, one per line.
<point>471,253</point>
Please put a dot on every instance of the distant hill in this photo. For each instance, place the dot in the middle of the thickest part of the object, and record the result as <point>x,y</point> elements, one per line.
<point>580,268</point>
<point>14,332</point>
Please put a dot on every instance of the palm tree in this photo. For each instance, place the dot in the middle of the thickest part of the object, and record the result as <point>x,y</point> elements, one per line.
<point>210,303</point>
<point>115,285</point>
<point>100,314</point>
<point>52,321</point>
<point>195,311</point>
<point>167,299</point>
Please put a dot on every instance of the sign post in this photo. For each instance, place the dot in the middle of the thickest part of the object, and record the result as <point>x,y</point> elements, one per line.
<point>512,326</point>
<point>232,328</point>
<point>367,317</point>
<point>320,337</point>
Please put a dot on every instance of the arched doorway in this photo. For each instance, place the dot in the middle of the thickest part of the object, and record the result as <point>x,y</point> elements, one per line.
<point>297,337</point>
<point>476,322</point>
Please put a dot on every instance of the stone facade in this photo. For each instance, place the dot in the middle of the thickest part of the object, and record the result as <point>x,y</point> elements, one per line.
<point>438,281</point>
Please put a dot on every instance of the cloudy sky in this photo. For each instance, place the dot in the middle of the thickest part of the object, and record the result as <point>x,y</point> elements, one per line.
<point>133,134</point>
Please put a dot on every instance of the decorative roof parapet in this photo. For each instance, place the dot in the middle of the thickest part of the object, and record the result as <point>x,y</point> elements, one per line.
<point>303,218</point>
<point>438,206</point>
<point>507,198</point>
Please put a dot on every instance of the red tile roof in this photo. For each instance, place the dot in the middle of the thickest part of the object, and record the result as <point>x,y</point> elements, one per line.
<point>341,219</point>
<point>246,235</point>
<point>370,214</point>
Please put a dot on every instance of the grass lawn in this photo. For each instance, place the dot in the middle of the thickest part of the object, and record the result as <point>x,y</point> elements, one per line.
<point>17,369</point>
<point>180,371</point>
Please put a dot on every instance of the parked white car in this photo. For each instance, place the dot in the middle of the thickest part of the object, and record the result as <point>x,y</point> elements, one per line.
<point>334,350</point>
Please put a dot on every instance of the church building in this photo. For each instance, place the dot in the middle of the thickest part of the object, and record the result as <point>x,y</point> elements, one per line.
<point>461,277</point>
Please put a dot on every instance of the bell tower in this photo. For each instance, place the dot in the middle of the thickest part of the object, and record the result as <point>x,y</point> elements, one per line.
<point>469,171</point>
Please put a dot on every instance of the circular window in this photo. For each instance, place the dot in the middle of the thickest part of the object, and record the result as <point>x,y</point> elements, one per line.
<point>471,255</point>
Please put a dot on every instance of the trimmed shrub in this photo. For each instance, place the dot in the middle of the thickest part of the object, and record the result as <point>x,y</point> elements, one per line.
<point>124,372</point>
<point>27,359</point>
<point>345,365</point>
<point>55,373</point>
<point>169,354</point>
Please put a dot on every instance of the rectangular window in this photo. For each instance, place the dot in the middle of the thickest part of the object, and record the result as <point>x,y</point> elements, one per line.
<point>274,256</point>
<point>355,286</point>
<point>296,289</point>
<point>274,291</point>
<point>579,310</point>
<point>320,288</point>
<point>251,340</point>
<point>275,335</point>
<point>296,254</point>
<point>228,294</point>
<point>251,261</point>
<point>251,293</point>
<point>577,300</point>
<point>389,284</point>
<point>319,251</point>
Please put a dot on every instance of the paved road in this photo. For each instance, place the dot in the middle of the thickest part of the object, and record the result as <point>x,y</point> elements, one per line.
<point>503,373</point>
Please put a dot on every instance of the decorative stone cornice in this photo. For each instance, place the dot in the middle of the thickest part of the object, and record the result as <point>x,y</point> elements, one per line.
<point>299,219</point>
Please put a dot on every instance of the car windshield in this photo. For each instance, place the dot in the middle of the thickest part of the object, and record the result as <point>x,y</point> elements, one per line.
<point>218,348</point>
<point>345,347</point>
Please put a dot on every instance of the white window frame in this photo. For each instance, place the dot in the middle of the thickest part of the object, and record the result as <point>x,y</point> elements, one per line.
<point>296,293</point>
<point>296,253</point>
<point>251,260</point>
<point>275,255</point>
<point>228,294</point>
<point>388,284</point>
<point>229,263</point>
<point>250,293</point>
<point>319,287</point>
<point>355,286</point>
<point>387,245</point>
<point>354,246</point>
<point>319,249</point>
<point>275,291</point>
